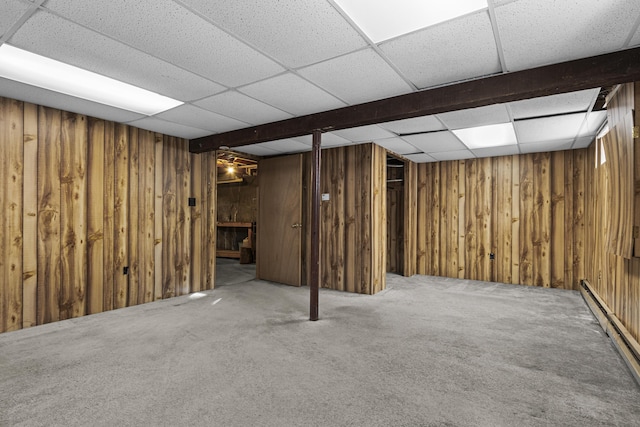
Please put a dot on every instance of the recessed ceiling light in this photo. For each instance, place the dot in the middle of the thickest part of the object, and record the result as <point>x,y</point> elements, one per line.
<point>32,69</point>
<point>487,136</point>
<point>383,20</point>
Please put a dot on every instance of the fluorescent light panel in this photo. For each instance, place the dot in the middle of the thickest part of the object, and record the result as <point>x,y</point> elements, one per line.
<point>32,69</point>
<point>487,136</point>
<point>383,20</point>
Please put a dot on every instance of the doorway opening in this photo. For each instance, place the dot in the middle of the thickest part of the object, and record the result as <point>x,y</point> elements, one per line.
<point>395,214</point>
<point>237,207</point>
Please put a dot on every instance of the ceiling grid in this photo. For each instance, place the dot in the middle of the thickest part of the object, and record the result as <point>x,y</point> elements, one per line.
<point>239,64</point>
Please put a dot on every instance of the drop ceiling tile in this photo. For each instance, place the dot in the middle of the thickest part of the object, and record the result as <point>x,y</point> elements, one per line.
<point>292,94</point>
<point>190,115</point>
<point>540,147</point>
<point>452,155</point>
<point>592,125</point>
<point>327,140</point>
<point>549,128</point>
<point>47,98</point>
<point>12,11</point>
<point>295,32</point>
<point>460,49</point>
<point>287,146</point>
<point>414,125</point>
<point>473,117</point>
<point>256,150</point>
<point>243,108</point>
<point>168,128</point>
<point>54,37</point>
<point>435,142</point>
<point>396,145</point>
<point>420,158</point>
<point>583,142</point>
<point>535,33</point>
<point>571,102</point>
<point>506,150</point>
<point>364,133</point>
<point>171,32</point>
<point>357,77</point>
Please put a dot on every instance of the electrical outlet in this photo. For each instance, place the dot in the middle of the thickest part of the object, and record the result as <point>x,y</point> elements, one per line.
<point>192,201</point>
<point>125,270</point>
<point>492,256</point>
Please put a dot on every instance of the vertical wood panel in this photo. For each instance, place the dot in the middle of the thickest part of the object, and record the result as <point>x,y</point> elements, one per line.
<point>30,217</point>
<point>158,266</point>
<point>147,221</point>
<point>49,279</point>
<point>5,129</point>
<point>515,219</point>
<point>541,220</point>
<point>121,217</point>
<point>422,213</point>
<point>526,219</point>
<point>410,218</point>
<point>471,195</point>
<point>366,229</point>
<point>109,216</point>
<point>504,187</point>
<point>73,215</point>
<point>483,225</point>
<point>169,213</point>
<point>378,219</point>
<point>579,165</point>
<point>12,187</point>
<point>434,238</point>
<point>556,246</point>
<point>210,231</point>
<point>181,219</point>
<point>352,199</point>
<point>196,223</point>
<point>444,219</point>
<point>569,281</point>
<point>337,220</point>
<point>95,216</point>
<point>183,167</point>
<point>133,211</point>
<point>461,218</point>
<point>453,218</point>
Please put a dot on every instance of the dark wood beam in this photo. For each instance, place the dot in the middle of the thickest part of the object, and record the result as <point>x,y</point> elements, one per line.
<point>587,73</point>
<point>314,285</point>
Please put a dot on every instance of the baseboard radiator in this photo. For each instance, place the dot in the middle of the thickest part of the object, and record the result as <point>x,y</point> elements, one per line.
<point>626,345</point>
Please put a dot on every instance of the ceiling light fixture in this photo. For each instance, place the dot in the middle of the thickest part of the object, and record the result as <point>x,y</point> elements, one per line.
<point>36,70</point>
<point>487,136</point>
<point>383,20</point>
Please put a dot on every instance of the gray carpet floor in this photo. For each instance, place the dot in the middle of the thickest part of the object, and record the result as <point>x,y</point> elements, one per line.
<point>426,352</point>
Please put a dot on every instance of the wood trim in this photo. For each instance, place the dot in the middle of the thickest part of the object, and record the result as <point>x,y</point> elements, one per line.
<point>587,73</point>
<point>624,342</point>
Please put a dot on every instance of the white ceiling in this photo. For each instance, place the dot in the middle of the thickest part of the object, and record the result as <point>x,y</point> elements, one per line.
<point>241,63</point>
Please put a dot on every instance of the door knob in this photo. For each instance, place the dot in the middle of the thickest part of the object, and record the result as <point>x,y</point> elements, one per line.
<point>296,225</point>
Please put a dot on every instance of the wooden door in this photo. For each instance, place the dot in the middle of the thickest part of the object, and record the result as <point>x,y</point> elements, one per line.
<point>279,238</point>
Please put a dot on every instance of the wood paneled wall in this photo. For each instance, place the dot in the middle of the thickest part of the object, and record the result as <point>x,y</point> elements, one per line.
<point>353,221</point>
<point>527,210</point>
<point>83,199</point>
<point>615,278</point>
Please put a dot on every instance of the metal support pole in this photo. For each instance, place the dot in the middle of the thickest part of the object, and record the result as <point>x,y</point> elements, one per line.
<point>315,225</point>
